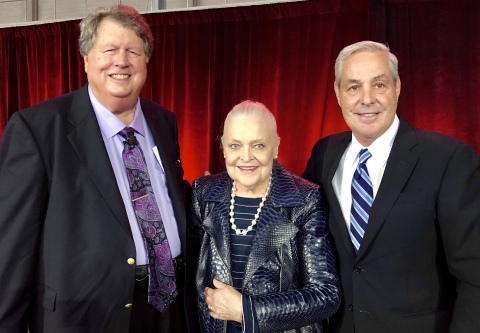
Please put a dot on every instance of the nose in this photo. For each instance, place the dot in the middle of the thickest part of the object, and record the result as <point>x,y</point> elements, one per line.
<point>121,58</point>
<point>246,153</point>
<point>367,96</point>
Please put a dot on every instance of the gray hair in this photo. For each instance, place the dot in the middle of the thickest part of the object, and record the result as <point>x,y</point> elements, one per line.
<point>251,109</point>
<point>126,16</point>
<point>365,46</point>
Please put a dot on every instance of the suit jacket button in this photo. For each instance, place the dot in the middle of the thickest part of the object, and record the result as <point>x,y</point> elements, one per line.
<point>128,305</point>
<point>357,269</point>
<point>350,307</point>
<point>130,261</point>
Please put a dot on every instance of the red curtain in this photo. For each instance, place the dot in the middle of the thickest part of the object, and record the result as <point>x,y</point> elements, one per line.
<point>438,47</point>
<point>206,61</point>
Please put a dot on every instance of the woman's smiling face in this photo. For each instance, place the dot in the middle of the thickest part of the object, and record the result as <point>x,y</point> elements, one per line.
<point>250,144</point>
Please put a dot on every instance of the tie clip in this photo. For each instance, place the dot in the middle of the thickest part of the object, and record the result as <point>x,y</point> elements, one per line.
<point>143,196</point>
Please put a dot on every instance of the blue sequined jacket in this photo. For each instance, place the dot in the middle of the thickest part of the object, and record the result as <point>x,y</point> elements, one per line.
<point>290,277</point>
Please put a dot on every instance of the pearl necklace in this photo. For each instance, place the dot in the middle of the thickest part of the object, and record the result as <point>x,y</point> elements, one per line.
<point>243,232</point>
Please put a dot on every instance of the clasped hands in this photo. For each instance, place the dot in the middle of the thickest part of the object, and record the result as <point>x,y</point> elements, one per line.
<point>224,302</point>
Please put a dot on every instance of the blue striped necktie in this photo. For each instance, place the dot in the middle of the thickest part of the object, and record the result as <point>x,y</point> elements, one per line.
<point>362,199</point>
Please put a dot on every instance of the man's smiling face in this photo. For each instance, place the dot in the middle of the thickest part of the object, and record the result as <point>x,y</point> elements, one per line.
<point>367,95</point>
<point>116,66</point>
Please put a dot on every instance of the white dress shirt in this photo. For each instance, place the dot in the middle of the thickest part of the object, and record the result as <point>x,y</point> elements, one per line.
<point>342,180</point>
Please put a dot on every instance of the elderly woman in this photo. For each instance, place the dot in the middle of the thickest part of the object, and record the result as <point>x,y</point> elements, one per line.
<point>265,259</point>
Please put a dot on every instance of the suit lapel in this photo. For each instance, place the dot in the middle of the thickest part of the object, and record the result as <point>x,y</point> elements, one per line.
<point>400,165</point>
<point>86,139</point>
<point>158,127</point>
<point>332,159</point>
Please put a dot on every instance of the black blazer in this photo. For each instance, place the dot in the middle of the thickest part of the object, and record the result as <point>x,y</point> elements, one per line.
<point>418,268</point>
<point>64,232</point>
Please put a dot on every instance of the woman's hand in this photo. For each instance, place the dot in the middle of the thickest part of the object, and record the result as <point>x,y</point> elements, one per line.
<point>224,302</point>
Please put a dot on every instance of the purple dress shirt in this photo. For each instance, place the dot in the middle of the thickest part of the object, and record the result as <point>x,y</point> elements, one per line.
<point>110,125</point>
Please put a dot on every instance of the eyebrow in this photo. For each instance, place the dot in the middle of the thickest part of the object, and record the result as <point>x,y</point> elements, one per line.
<point>116,45</point>
<point>381,76</point>
<point>353,81</point>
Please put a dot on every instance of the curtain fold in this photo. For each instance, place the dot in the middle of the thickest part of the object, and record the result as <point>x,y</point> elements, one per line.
<point>281,55</point>
<point>437,43</point>
<point>206,61</point>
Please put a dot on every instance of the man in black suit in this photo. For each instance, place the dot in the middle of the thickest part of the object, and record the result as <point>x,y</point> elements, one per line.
<point>409,262</point>
<point>74,258</point>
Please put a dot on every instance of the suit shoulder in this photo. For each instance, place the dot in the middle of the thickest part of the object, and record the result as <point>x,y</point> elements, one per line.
<point>438,142</point>
<point>434,137</point>
<point>40,118</point>
<point>57,105</point>
<point>151,105</point>
<point>332,141</point>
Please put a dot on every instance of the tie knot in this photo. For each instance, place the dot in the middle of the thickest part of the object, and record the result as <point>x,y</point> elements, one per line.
<point>364,155</point>
<point>127,132</point>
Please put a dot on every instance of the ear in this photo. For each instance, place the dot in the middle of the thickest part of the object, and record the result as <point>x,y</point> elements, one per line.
<point>337,92</point>
<point>276,148</point>
<point>85,62</point>
<point>398,87</point>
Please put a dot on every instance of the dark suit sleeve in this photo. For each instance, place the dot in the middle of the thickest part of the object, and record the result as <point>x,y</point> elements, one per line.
<point>309,172</point>
<point>23,194</point>
<point>195,237</point>
<point>459,217</point>
<point>195,221</point>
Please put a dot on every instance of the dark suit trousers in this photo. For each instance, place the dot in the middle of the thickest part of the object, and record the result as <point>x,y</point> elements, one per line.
<point>146,319</point>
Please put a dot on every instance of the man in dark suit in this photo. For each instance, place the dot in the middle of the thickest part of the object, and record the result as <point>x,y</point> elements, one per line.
<point>76,255</point>
<point>409,261</point>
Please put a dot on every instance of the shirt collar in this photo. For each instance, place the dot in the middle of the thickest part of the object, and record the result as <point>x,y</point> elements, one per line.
<point>109,124</point>
<point>380,148</point>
